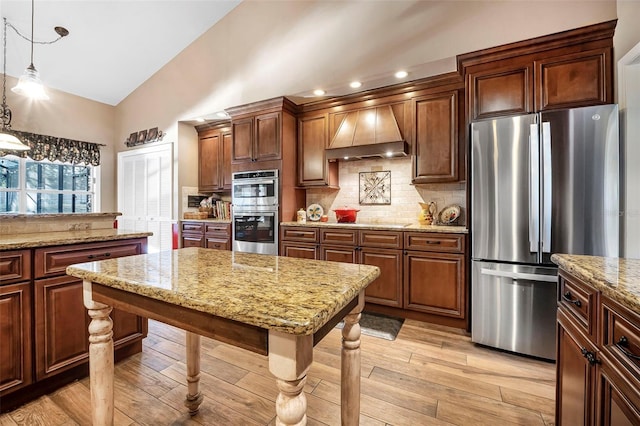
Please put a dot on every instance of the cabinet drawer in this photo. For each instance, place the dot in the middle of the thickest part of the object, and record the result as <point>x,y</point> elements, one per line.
<point>52,261</point>
<point>579,301</point>
<point>217,229</point>
<point>382,239</point>
<point>192,227</point>
<point>621,336</point>
<point>15,265</point>
<point>450,243</point>
<point>303,235</point>
<point>339,236</point>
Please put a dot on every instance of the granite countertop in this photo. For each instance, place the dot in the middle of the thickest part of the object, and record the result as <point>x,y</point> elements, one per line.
<point>384,226</point>
<point>296,296</point>
<point>12,216</point>
<point>616,278</point>
<point>23,241</point>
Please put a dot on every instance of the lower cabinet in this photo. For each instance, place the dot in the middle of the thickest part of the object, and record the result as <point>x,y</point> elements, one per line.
<point>44,338</point>
<point>422,275</point>
<point>15,337</point>
<point>206,234</point>
<point>434,283</point>
<point>597,377</point>
<point>61,325</point>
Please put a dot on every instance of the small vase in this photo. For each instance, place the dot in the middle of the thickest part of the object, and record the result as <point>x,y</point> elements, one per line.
<point>425,217</point>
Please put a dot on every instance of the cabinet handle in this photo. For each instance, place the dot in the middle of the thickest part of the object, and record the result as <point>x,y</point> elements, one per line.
<point>590,356</point>
<point>622,344</point>
<point>432,242</point>
<point>567,296</point>
<point>95,256</point>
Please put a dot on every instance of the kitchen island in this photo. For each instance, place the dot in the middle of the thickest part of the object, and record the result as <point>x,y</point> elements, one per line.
<point>276,306</point>
<point>598,340</point>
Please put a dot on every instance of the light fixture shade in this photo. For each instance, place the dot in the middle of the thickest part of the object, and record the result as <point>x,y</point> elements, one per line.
<point>8,142</point>
<point>30,85</point>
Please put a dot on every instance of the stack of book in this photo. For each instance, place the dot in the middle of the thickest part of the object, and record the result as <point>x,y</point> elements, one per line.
<point>222,210</point>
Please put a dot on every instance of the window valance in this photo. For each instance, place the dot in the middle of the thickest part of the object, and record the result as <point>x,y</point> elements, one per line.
<point>53,148</point>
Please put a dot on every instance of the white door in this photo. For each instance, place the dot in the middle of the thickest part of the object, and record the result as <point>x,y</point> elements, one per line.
<point>145,193</point>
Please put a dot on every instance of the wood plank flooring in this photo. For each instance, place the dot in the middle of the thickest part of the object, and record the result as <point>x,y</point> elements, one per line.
<point>430,375</point>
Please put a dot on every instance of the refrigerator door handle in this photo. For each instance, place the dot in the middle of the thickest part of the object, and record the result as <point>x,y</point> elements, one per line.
<point>534,188</point>
<point>519,275</point>
<point>546,187</point>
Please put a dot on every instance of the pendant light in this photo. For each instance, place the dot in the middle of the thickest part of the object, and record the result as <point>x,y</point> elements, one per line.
<point>29,84</point>
<point>8,142</point>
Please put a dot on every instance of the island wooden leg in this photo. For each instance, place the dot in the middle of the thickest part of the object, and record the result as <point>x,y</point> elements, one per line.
<point>350,368</point>
<point>289,360</point>
<point>100,359</point>
<point>194,396</point>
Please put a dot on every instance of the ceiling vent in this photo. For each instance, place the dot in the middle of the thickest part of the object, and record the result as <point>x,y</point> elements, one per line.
<point>366,133</point>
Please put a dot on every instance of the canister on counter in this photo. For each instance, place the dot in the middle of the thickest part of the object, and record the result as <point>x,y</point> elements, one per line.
<point>302,216</point>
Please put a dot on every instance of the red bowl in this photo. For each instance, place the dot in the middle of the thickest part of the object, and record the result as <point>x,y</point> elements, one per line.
<point>346,215</point>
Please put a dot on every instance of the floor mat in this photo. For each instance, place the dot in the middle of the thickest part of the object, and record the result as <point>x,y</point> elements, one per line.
<point>378,325</point>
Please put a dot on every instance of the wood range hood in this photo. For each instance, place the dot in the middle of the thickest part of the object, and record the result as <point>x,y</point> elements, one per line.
<point>367,133</point>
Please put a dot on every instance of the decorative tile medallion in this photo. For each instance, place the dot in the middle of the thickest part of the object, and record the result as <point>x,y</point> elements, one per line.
<point>375,187</point>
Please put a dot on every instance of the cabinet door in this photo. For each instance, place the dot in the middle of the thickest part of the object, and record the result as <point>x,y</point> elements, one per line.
<point>434,283</point>
<point>217,242</point>
<point>61,325</point>
<point>436,138</point>
<point>225,162</point>
<point>242,149</point>
<point>580,79</point>
<point>344,254</point>
<point>299,250</point>
<point>313,139</point>
<point>209,145</point>
<point>127,327</point>
<point>267,137</point>
<point>575,377</point>
<point>387,288</point>
<point>500,90</point>
<point>15,337</point>
<point>618,400</point>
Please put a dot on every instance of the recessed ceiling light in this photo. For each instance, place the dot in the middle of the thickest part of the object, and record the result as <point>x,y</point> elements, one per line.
<point>200,120</point>
<point>355,84</point>
<point>318,92</point>
<point>401,74</point>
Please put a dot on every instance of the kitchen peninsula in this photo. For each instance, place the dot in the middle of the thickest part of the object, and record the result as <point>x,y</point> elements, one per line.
<point>598,340</point>
<point>275,306</point>
<point>43,324</point>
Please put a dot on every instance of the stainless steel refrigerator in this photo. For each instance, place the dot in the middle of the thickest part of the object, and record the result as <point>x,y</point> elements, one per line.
<point>541,184</point>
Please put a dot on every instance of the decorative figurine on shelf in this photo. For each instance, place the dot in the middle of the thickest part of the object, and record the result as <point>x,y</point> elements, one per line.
<point>427,212</point>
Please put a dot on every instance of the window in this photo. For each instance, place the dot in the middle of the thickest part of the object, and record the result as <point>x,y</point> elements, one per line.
<point>28,186</point>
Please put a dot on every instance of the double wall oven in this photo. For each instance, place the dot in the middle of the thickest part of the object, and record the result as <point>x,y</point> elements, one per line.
<point>254,196</point>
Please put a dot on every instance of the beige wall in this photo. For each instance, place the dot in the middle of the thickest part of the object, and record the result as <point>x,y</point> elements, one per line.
<point>69,116</point>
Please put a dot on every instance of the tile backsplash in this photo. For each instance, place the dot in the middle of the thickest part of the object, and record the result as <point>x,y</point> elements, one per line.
<point>404,207</point>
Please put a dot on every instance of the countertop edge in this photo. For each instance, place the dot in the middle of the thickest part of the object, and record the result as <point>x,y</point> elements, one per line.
<point>75,238</point>
<point>611,276</point>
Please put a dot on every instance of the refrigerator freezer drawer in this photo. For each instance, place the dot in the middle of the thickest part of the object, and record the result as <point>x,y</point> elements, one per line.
<point>513,307</point>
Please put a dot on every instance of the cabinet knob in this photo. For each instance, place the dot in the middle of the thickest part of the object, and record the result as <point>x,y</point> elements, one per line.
<point>590,356</point>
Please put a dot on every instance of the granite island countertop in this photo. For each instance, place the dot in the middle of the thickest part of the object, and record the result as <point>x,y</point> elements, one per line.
<point>44,239</point>
<point>453,229</point>
<point>616,278</point>
<point>296,296</point>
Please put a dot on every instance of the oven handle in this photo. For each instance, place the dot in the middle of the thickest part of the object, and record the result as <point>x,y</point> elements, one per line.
<point>254,213</point>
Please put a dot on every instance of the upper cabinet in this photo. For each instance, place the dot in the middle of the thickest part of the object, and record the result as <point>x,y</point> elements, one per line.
<point>258,130</point>
<point>565,70</point>
<point>314,170</point>
<point>437,137</point>
<point>214,158</point>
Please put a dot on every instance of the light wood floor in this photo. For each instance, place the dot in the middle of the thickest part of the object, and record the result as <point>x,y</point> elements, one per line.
<point>429,375</point>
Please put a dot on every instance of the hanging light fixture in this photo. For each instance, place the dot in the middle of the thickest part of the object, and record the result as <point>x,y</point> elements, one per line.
<point>8,141</point>
<point>29,84</point>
